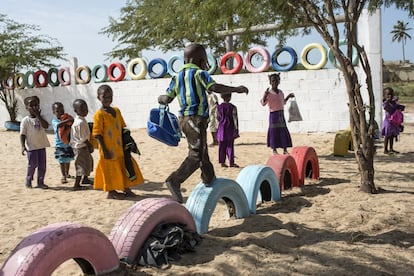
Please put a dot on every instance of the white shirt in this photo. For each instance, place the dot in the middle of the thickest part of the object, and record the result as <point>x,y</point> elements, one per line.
<point>79,133</point>
<point>36,137</point>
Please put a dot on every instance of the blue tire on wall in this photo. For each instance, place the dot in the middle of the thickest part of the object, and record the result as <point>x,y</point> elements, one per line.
<point>203,200</point>
<point>252,179</point>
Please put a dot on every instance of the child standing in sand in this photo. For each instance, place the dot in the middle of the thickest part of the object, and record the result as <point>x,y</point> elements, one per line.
<point>111,174</point>
<point>278,135</point>
<point>63,151</point>
<point>191,86</point>
<point>228,130</point>
<point>83,148</point>
<point>391,127</point>
<point>34,141</point>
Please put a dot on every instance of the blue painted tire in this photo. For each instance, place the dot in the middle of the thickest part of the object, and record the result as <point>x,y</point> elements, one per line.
<point>332,59</point>
<point>10,125</point>
<point>151,64</point>
<point>170,64</point>
<point>203,200</point>
<point>212,61</point>
<point>292,63</point>
<point>95,70</point>
<point>52,71</point>
<point>251,179</point>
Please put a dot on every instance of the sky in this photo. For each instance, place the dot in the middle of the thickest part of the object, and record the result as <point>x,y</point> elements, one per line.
<point>76,25</point>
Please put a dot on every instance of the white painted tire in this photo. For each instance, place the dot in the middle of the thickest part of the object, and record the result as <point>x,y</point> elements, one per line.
<point>251,179</point>
<point>46,249</point>
<point>136,224</point>
<point>203,200</point>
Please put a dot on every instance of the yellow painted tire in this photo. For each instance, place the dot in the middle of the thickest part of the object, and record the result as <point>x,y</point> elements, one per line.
<point>19,81</point>
<point>78,73</point>
<point>131,67</point>
<point>304,56</point>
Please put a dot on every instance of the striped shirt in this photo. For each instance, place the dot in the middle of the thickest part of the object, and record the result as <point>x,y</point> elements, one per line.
<point>190,87</point>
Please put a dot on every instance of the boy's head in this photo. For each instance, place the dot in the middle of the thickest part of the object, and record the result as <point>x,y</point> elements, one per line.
<point>105,94</point>
<point>226,97</point>
<point>58,109</point>
<point>196,53</point>
<point>32,105</point>
<point>80,107</point>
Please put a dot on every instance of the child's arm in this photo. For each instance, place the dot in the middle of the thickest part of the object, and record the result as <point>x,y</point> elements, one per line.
<point>263,100</point>
<point>164,99</point>
<point>107,154</point>
<point>23,143</point>
<point>221,88</point>
<point>64,122</point>
<point>291,95</point>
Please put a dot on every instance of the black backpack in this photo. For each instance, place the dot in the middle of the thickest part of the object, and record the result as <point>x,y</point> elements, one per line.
<point>166,243</point>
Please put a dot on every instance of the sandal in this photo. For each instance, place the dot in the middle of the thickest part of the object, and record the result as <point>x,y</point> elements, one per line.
<point>129,193</point>
<point>115,195</point>
<point>79,188</point>
<point>234,166</point>
<point>63,180</point>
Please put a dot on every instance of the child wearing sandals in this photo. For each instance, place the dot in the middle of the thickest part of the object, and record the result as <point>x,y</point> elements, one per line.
<point>63,151</point>
<point>82,147</point>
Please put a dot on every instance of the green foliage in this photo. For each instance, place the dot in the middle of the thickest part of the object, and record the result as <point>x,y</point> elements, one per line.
<point>404,90</point>
<point>21,47</point>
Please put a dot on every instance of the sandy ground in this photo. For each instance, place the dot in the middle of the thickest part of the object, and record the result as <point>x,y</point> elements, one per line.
<point>328,227</point>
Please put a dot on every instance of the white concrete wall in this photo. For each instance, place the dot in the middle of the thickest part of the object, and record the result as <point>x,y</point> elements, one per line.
<point>320,94</point>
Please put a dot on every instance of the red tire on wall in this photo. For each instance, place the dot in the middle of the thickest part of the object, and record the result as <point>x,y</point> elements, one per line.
<point>307,163</point>
<point>237,67</point>
<point>111,69</point>
<point>136,224</point>
<point>46,249</point>
<point>285,169</point>
<point>36,78</point>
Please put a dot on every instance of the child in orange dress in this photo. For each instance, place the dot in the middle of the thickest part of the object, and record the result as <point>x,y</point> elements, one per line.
<point>111,173</point>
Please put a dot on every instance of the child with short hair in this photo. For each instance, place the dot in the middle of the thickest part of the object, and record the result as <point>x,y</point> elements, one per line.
<point>278,135</point>
<point>63,151</point>
<point>191,86</point>
<point>34,141</point>
<point>228,130</point>
<point>111,173</point>
<point>82,147</point>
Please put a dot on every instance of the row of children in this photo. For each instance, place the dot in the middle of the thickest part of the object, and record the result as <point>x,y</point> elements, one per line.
<point>72,140</point>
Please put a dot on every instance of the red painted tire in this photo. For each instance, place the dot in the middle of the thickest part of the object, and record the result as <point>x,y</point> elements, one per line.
<point>46,249</point>
<point>238,66</point>
<point>136,224</point>
<point>111,69</point>
<point>285,169</point>
<point>36,79</point>
<point>307,163</point>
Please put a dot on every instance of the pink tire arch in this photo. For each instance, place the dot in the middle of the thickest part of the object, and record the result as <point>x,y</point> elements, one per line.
<point>307,163</point>
<point>285,169</point>
<point>136,224</point>
<point>46,249</point>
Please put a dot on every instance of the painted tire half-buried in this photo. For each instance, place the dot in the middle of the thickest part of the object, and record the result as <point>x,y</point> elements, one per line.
<point>136,224</point>
<point>285,169</point>
<point>255,178</point>
<point>46,249</point>
<point>306,162</point>
<point>203,200</point>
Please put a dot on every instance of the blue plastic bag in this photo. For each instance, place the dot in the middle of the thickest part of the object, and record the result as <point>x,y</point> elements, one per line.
<point>162,125</point>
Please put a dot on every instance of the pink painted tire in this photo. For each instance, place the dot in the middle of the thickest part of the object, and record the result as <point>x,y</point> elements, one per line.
<point>136,224</point>
<point>285,169</point>
<point>46,249</point>
<point>307,163</point>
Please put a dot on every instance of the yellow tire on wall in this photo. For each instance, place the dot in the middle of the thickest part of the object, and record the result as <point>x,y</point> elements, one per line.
<point>304,56</point>
<point>131,67</point>
<point>19,81</point>
<point>78,73</point>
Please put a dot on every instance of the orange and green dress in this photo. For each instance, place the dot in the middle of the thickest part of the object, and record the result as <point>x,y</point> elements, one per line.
<point>111,174</point>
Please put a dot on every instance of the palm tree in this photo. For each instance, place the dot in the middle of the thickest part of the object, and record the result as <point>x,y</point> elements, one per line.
<point>400,34</point>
